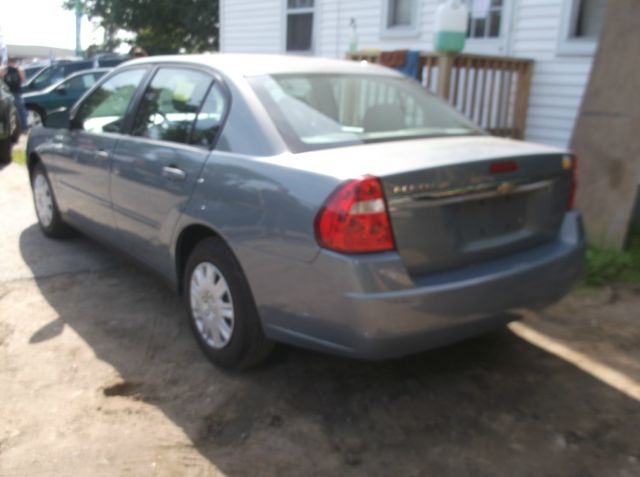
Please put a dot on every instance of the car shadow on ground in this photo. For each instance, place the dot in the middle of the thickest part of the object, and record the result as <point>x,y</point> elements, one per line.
<point>494,405</point>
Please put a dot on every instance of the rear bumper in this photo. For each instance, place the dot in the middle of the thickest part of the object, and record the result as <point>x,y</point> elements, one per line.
<point>385,313</point>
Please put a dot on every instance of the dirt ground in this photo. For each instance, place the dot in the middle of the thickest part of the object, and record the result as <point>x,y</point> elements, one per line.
<point>99,375</point>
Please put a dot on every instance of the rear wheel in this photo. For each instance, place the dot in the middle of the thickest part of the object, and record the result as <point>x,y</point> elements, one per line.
<point>45,203</point>
<point>220,308</point>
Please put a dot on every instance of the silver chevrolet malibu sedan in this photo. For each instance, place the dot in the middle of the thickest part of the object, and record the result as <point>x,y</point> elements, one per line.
<point>327,204</point>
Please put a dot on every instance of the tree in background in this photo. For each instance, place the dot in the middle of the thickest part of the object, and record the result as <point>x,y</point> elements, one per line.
<point>160,26</point>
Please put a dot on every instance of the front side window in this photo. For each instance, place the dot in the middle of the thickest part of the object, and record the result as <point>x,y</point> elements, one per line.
<point>170,104</point>
<point>486,18</point>
<point>316,111</point>
<point>299,25</point>
<point>104,110</point>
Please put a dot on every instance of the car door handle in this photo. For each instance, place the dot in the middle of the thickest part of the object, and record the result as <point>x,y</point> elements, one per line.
<point>173,173</point>
<point>102,154</point>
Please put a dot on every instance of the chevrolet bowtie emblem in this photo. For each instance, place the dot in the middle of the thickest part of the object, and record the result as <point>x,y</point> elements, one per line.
<point>506,187</point>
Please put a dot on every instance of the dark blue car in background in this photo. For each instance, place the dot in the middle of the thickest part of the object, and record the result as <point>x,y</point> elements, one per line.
<point>60,95</point>
<point>60,69</point>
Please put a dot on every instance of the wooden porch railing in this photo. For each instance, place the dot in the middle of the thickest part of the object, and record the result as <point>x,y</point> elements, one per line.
<point>492,91</point>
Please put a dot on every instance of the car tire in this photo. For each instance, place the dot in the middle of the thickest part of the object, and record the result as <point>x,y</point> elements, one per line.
<point>47,211</point>
<point>35,117</point>
<point>5,151</point>
<point>220,308</point>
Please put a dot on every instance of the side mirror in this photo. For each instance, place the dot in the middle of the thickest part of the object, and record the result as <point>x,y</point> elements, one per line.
<point>58,119</point>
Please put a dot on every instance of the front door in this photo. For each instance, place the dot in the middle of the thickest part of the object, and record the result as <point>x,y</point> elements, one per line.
<point>156,167</point>
<point>83,175</point>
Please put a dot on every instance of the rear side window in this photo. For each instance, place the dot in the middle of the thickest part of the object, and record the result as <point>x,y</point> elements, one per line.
<point>81,82</point>
<point>105,108</point>
<point>210,118</point>
<point>171,103</point>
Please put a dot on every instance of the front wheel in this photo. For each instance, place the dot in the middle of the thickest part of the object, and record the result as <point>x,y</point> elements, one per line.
<point>220,308</point>
<point>45,203</point>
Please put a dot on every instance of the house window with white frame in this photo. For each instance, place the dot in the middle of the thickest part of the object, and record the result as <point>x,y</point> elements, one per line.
<point>400,17</point>
<point>299,19</point>
<point>582,22</point>
<point>486,18</point>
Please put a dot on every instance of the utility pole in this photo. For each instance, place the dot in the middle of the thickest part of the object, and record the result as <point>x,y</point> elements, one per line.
<point>605,136</point>
<point>78,23</point>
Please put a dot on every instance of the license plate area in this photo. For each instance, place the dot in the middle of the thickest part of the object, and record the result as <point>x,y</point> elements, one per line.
<point>489,218</point>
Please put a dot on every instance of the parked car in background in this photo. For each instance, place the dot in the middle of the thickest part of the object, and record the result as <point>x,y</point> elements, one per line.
<point>326,204</point>
<point>31,69</point>
<point>63,94</point>
<point>9,127</point>
<point>60,69</point>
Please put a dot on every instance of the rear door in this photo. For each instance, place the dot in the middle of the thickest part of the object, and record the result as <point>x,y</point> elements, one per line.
<point>83,175</point>
<point>155,167</point>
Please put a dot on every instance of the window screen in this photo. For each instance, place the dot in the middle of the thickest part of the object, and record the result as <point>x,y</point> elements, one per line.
<point>400,13</point>
<point>486,18</point>
<point>299,25</point>
<point>589,17</point>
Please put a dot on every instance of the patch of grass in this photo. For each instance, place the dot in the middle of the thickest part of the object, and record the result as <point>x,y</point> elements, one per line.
<point>18,156</point>
<point>606,265</point>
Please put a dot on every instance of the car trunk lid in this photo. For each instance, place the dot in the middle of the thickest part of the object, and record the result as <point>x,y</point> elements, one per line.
<point>457,201</point>
<point>460,214</point>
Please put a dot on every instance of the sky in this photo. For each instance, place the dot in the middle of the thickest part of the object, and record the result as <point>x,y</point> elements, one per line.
<point>43,23</point>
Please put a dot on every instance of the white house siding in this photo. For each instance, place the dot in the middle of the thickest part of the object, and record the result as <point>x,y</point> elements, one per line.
<point>335,33</point>
<point>251,26</point>
<point>558,81</point>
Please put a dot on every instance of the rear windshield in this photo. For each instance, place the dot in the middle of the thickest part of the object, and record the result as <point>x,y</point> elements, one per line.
<point>317,111</point>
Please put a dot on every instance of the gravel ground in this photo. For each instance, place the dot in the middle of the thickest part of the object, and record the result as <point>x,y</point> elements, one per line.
<point>100,376</point>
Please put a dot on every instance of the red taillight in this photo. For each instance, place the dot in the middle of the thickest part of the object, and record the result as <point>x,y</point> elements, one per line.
<point>574,182</point>
<point>354,219</point>
<point>503,166</point>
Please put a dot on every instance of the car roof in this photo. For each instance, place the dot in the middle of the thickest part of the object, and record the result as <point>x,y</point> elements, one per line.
<point>258,64</point>
<point>87,71</point>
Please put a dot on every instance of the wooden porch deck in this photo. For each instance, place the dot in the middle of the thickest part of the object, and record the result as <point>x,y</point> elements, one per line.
<point>492,91</point>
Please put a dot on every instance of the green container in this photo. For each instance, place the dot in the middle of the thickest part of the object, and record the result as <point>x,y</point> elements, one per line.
<point>449,41</point>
